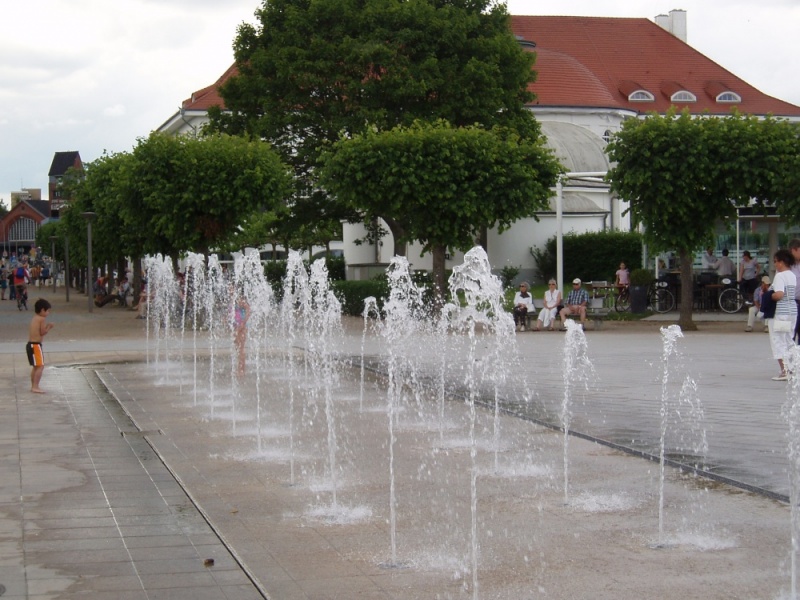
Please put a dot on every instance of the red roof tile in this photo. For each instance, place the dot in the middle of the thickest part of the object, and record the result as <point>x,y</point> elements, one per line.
<point>209,96</point>
<point>617,52</point>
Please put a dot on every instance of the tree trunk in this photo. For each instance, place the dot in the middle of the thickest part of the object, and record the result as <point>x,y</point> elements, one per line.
<point>687,292</point>
<point>137,279</point>
<point>439,283</point>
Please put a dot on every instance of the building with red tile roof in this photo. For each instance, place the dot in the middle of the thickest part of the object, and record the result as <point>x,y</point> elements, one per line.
<point>600,62</point>
<point>592,74</point>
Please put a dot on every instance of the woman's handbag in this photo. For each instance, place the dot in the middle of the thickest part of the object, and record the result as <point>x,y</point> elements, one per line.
<point>782,326</point>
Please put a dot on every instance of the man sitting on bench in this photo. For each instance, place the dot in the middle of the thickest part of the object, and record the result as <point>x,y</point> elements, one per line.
<point>577,300</point>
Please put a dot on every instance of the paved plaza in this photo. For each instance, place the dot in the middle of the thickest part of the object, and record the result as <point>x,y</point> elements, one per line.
<point>128,480</point>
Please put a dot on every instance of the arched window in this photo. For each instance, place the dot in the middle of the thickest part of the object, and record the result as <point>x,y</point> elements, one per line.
<point>683,96</point>
<point>729,97</point>
<point>22,230</point>
<point>641,96</point>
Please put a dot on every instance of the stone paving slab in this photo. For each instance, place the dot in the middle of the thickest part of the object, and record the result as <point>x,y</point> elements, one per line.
<point>88,512</point>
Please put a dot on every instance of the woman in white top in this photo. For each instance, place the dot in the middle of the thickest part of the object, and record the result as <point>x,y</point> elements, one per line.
<point>748,274</point>
<point>552,298</point>
<point>783,286</point>
<point>523,303</point>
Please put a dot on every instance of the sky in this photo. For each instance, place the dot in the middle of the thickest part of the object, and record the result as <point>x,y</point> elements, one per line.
<point>95,75</point>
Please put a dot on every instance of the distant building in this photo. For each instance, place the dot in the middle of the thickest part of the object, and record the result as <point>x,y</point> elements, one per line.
<point>25,194</point>
<point>18,228</point>
<point>62,162</point>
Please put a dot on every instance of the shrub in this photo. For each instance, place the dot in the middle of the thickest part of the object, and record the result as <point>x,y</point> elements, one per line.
<point>641,278</point>
<point>508,274</point>
<point>353,293</point>
<point>590,256</point>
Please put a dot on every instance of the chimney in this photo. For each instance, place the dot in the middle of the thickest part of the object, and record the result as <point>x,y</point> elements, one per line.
<point>675,23</point>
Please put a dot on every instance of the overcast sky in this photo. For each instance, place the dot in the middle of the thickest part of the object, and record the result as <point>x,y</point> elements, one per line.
<point>94,75</point>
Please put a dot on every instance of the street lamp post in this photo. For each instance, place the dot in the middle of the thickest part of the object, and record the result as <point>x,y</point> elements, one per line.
<point>53,269</point>
<point>89,216</point>
<point>66,266</point>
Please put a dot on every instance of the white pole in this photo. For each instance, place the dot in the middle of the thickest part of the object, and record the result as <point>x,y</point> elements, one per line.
<point>560,236</point>
<point>738,252</point>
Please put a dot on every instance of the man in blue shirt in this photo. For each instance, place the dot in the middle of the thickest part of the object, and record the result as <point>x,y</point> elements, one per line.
<point>577,300</point>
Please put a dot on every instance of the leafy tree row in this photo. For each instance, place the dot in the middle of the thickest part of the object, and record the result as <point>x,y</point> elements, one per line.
<point>169,195</point>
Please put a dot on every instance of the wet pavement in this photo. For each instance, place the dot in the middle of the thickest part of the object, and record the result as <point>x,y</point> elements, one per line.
<point>127,481</point>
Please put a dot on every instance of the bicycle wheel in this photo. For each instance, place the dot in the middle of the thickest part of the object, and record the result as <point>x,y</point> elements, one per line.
<point>731,300</point>
<point>661,300</point>
<point>623,303</point>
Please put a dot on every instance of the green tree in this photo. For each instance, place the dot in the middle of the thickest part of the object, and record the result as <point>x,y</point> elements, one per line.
<point>312,71</point>
<point>192,194</point>
<point>683,175</point>
<point>443,184</point>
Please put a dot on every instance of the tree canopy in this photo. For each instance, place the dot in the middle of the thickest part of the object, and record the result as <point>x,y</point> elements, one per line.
<point>312,71</point>
<point>173,194</point>
<point>444,184</point>
<point>683,175</point>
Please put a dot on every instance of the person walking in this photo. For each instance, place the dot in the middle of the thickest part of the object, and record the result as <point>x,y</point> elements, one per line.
<point>755,309</point>
<point>782,326</point>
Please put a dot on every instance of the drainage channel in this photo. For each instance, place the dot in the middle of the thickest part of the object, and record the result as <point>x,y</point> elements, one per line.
<point>506,408</point>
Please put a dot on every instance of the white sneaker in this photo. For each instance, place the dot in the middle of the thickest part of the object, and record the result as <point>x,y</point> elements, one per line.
<point>748,328</point>
<point>781,377</point>
<point>522,328</point>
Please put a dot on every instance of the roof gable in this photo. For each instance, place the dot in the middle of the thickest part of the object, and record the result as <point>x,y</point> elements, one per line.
<point>63,161</point>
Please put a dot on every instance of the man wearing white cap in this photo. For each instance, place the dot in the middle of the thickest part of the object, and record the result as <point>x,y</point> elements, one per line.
<point>756,308</point>
<point>577,300</point>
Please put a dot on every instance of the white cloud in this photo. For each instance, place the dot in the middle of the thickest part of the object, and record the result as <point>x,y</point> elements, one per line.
<point>118,110</point>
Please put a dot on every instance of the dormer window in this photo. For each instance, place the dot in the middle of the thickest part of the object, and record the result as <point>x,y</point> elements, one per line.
<point>641,96</point>
<point>635,92</point>
<point>722,93</point>
<point>683,96</point>
<point>729,97</point>
<point>676,92</point>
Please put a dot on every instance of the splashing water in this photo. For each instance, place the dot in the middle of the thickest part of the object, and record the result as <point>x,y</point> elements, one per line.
<point>791,413</point>
<point>371,316</point>
<point>325,324</point>
<point>483,298</point>
<point>578,371</point>
<point>294,311</point>
<point>669,337</point>
<point>400,308</point>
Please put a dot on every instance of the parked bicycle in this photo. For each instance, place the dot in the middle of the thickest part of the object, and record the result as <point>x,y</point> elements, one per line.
<point>659,298</point>
<point>731,299</point>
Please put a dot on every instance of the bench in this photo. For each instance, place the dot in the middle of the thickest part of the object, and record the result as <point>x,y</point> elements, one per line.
<point>595,312</point>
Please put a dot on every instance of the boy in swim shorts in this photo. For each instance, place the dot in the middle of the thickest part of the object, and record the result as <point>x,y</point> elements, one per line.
<point>38,329</point>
